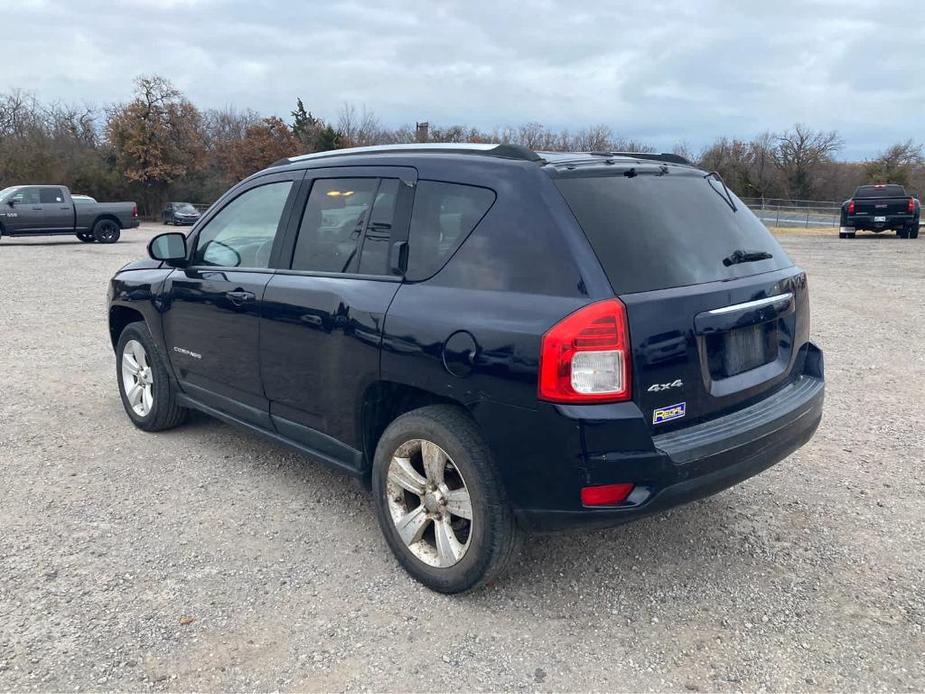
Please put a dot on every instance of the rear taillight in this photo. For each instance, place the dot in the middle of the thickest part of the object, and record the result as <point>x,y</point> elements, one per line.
<point>851,207</point>
<point>606,494</point>
<point>585,357</point>
<point>911,207</point>
<point>134,211</point>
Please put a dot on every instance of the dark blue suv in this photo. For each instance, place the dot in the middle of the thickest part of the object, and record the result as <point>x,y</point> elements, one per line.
<point>495,340</point>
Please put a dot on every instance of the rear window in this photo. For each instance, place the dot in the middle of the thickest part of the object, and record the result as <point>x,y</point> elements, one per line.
<point>884,191</point>
<point>658,231</point>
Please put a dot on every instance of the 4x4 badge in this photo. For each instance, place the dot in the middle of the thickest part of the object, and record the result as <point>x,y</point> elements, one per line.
<point>659,387</point>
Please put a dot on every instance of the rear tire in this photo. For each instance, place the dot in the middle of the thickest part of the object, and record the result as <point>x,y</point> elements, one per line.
<point>86,237</point>
<point>422,508</point>
<point>149,396</point>
<point>903,233</point>
<point>106,231</point>
<point>914,232</point>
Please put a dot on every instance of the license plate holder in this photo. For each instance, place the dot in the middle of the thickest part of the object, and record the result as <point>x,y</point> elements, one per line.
<point>880,218</point>
<point>742,349</point>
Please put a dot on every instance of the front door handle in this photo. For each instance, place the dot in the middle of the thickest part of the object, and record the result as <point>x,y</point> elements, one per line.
<point>239,297</point>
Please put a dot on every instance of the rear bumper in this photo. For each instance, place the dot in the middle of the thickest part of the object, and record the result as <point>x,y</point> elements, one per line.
<point>694,462</point>
<point>132,224</point>
<point>891,221</point>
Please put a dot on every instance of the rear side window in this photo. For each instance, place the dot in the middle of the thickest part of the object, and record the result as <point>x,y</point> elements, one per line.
<point>334,218</point>
<point>659,231</point>
<point>50,196</point>
<point>442,217</point>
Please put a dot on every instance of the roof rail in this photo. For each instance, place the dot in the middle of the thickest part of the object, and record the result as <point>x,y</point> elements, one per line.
<point>663,156</point>
<point>491,150</point>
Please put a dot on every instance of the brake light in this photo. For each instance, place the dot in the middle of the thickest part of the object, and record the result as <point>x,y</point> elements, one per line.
<point>911,207</point>
<point>851,207</point>
<point>606,494</point>
<point>134,211</point>
<point>585,357</point>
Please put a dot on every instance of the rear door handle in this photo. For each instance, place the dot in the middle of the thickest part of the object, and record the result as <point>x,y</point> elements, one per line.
<point>240,297</point>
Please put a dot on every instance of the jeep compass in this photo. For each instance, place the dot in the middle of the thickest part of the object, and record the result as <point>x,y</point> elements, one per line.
<point>495,340</point>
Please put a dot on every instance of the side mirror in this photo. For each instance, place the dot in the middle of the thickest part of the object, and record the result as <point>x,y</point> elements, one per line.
<point>11,202</point>
<point>170,248</point>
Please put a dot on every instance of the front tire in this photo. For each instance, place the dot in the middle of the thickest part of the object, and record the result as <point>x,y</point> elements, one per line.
<point>106,231</point>
<point>86,237</point>
<point>148,395</point>
<point>440,501</point>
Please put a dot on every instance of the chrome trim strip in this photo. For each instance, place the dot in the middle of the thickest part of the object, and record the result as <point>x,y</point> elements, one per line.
<point>757,303</point>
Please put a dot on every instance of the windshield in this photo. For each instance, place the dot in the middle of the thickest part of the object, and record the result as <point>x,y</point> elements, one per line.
<point>184,207</point>
<point>654,231</point>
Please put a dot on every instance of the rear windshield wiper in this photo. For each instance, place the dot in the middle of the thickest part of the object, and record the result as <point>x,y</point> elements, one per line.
<point>740,256</point>
<point>728,196</point>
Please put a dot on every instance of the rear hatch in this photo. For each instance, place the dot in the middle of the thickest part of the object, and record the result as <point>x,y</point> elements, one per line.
<point>717,311</point>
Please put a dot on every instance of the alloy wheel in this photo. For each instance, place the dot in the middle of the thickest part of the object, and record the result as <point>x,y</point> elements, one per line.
<point>429,503</point>
<point>137,378</point>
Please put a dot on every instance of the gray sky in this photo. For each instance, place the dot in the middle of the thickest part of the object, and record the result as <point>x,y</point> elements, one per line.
<point>658,71</point>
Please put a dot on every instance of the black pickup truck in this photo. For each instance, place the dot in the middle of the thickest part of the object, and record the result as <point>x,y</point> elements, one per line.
<point>50,210</point>
<point>878,208</point>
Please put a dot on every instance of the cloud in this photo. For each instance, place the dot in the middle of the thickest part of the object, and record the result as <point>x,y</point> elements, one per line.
<point>663,71</point>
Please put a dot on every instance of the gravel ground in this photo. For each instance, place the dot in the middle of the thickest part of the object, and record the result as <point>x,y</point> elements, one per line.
<point>206,558</point>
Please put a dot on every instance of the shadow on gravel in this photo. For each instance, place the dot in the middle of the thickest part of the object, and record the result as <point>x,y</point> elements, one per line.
<point>886,236</point>
<point>34,242</point>
<point>695,540</point>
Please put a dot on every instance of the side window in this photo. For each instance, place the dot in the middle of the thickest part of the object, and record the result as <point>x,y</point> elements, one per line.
<point>442,217</point>
<point>50,196</point>
<point>332,224</point>
<point>27,196</point>
<point>242,233</point>
<point>374,258</point>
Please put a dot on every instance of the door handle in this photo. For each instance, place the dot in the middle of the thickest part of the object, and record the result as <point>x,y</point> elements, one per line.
<point>239,297</point>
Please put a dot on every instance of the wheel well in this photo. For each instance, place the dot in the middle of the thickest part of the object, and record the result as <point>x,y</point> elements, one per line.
<point>383,402</point>
<point>111,218</point>
<point>119,317</point>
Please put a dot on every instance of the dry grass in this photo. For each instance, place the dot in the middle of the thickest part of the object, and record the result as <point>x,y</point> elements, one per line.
<point>804,231</point>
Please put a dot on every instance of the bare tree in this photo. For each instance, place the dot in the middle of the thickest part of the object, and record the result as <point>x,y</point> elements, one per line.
<point>358,128</point>
<point>799,154</point>
<point>896,164</point>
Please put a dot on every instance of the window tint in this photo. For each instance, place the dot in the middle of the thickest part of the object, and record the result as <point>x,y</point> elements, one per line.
<point>242,233</point>
<point>443,216</point>
<point>50,196</point>
<point>333,221</point>
<point>654,232</point>
<point>881,191</point>
<point>374,258</point>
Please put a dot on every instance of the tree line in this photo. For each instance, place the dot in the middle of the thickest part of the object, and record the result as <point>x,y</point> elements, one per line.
<point>159,145</point>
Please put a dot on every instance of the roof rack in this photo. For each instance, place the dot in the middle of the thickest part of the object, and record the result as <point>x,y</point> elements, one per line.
<point>491,150</point>
<point>663,156</point>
